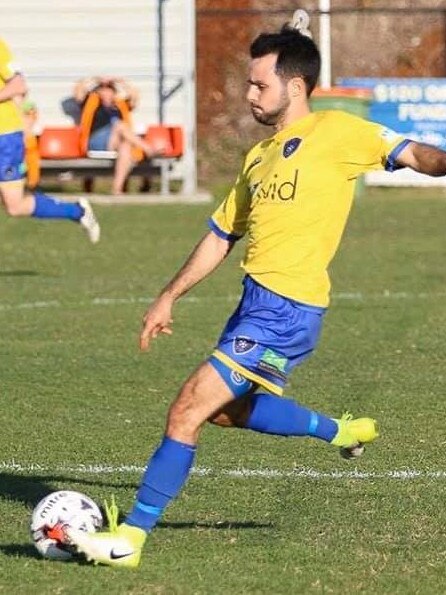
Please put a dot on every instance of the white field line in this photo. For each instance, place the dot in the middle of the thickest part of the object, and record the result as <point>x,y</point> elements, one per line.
<point>239,473</point>
<point>116,301</point>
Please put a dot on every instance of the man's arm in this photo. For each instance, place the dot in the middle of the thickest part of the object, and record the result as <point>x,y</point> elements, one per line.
<point>14,87</point>
<point>423,158</point>
<point>206,257</point>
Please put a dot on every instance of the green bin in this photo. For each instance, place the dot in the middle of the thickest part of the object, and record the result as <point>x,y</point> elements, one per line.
<point>353,101</point>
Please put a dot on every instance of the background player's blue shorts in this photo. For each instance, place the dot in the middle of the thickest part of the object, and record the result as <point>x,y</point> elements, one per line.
<point>12,157</point>
<point>268,335</point>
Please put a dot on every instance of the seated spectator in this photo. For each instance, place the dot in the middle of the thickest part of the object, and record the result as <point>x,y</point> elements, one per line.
<point>106,104</point>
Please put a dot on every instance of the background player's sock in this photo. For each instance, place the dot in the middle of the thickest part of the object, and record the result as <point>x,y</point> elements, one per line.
<point>165,475</point>
<point>284,417</point>
<point>47,207</point>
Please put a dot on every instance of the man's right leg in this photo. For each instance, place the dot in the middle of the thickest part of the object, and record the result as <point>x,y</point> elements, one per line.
<point>167,470</point>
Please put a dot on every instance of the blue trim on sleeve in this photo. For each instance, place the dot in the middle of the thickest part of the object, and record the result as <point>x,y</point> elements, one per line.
<point>220,233</point>
<point>391,164</point>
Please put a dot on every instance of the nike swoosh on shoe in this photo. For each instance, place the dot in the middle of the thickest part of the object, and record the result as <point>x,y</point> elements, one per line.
<point>117,555</point>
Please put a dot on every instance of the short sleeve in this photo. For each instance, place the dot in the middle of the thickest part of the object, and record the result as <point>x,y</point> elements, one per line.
<point>7,68</point>
<point>229,219</point>
<point>371,146</point>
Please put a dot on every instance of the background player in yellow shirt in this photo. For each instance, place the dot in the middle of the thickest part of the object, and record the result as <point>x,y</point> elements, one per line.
<point>291,199</point>
<point>16,201</point>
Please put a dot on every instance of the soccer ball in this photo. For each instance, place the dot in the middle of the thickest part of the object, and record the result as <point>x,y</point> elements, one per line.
<point>352,452</point>
<point>57,511</point>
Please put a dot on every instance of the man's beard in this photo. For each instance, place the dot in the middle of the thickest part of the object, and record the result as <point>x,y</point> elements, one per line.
<point>274,117</point>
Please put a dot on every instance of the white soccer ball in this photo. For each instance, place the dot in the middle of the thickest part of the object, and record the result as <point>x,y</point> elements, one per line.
<point>57,511</point>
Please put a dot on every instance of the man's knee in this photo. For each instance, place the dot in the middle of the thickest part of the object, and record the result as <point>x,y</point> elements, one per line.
<point>14,208</point>
<point>234,414</point>
<point>184,413</point>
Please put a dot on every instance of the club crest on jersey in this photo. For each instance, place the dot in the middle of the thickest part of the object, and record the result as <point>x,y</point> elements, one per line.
<point>291,146</point>
<point>243,345</point>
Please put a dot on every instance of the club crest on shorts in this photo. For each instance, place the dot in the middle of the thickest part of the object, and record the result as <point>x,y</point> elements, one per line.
<point>243,345</point>
<point>291,146</point>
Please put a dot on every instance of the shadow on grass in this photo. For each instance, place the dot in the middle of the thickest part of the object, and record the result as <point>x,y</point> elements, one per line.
<point>24,550</point>
<point>215,525</point>
<point>19,274</point>
<point>31,489</point>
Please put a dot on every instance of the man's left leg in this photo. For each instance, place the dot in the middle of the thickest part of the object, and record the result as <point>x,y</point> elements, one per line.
<point>279,416</point>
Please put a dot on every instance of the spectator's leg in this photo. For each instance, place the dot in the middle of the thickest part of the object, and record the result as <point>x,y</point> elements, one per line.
<point>88,184</point>
<point>121,131</point>
<point>146,184</point>
<point>123,166</point>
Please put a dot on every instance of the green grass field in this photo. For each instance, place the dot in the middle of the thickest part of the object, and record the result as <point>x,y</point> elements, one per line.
<point>81,405</point>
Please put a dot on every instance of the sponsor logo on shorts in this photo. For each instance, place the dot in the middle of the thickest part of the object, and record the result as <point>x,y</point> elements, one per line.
<point>237,378</point>
<point>273,363</point>
<point>240,380</point>
<point>274,359</point>
<point>291,146</point>
<point>243,345</point>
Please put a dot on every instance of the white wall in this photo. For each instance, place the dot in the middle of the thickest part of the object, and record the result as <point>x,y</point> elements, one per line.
<point>58,41</point>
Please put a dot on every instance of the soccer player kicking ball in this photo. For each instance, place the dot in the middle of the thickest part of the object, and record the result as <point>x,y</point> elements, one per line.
<point>291,199</point>
<point>15,200</point>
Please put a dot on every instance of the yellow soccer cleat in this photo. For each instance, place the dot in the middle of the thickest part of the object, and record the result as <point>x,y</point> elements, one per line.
<point>121,546</point>
<point>353,434</point>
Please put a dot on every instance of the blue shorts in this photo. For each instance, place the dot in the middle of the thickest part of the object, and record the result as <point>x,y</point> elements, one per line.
<point>12,157</point>
<point>268,335</point>
<point>98,140</point>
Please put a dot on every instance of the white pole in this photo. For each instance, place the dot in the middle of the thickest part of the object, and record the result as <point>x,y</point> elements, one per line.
<point>190,157</point>
<point>325,43</point>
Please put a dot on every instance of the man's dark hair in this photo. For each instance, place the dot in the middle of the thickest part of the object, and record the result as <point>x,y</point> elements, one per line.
<point>297,55</point>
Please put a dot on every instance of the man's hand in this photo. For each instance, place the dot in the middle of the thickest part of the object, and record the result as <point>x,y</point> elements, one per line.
<point>157,319</point>
<point>210,251</point>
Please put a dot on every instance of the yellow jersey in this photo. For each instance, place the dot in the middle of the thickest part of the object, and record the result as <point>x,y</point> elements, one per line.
<point>293,196</point>
<point>10,118</point>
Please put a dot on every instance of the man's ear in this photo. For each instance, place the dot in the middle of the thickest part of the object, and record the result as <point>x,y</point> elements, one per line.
<point>297,87</point>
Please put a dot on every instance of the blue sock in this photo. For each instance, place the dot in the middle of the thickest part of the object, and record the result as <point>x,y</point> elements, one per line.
<point>165,475</point>
<point>47,207</point>
<point>284,417</point>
